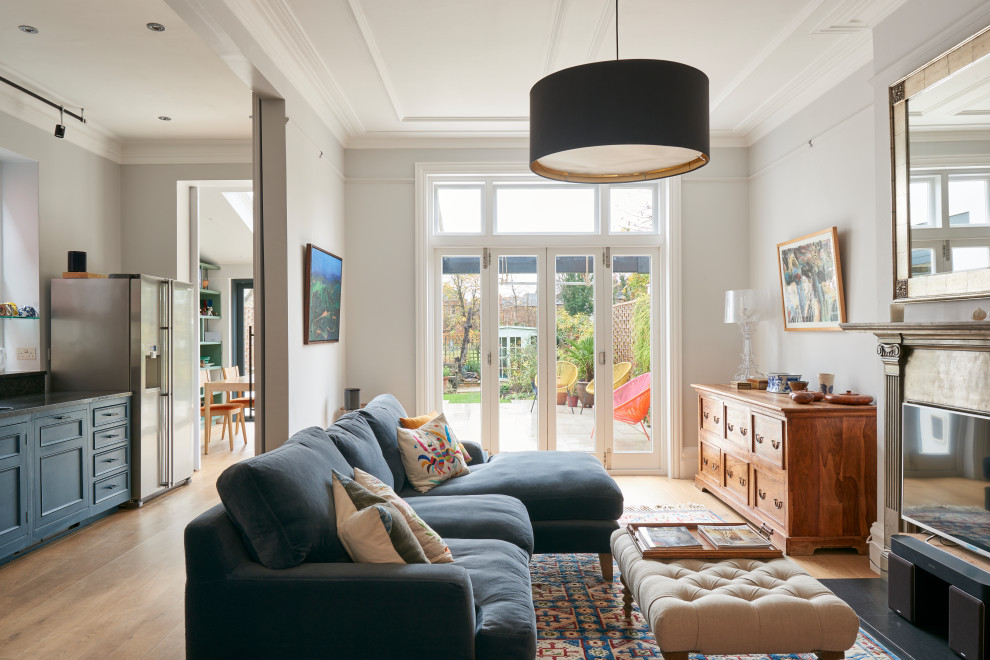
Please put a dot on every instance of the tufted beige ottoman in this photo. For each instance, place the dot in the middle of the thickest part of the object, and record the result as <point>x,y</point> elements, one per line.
<point>734,606</point>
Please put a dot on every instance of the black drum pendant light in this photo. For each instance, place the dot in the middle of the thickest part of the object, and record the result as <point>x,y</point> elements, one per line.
<point>621,120</point>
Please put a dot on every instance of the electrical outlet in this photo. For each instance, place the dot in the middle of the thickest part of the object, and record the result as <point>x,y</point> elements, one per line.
<point>27,354</point>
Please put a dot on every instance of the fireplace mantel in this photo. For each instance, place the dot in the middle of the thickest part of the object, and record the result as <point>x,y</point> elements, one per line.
<point>943,363</point>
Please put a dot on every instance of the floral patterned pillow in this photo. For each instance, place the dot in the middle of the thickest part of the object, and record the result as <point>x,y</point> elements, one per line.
<point>431,454</point>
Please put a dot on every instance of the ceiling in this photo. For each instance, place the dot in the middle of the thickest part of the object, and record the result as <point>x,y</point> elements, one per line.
<point>225,238</point>
<point>383,72</point>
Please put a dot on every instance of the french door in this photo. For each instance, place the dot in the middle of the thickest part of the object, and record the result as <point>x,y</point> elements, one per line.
<point>551,349</point>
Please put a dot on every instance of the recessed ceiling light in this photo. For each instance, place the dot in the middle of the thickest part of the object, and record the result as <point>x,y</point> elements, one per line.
<point>164,118</point>
<point>156,27</point>
<point>30,29</point>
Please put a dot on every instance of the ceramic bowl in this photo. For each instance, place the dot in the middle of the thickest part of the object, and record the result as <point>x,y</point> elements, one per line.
<point>780,383</point>
<point>798,385</point>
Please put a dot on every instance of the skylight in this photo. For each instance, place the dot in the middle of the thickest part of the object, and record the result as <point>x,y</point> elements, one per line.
<point>243,204</point>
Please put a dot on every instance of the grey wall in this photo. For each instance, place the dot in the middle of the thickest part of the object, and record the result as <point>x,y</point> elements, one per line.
<point>152,240</point>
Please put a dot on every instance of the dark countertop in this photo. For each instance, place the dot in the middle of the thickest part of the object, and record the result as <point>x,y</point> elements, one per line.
<point>30,403</point>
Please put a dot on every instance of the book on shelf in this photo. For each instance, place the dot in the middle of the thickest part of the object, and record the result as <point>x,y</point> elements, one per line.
<point>667,537</point>
<point>733,536</point>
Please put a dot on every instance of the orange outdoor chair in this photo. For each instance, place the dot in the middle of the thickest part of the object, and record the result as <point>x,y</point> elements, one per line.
<point>631,402</point>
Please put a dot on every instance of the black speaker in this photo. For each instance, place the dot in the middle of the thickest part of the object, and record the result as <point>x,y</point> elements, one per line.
<point>900,586</point>
<point>966,622</point>
<point>77,262</point>
<point>352,398</point>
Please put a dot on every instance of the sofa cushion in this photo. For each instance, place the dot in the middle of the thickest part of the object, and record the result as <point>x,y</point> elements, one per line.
<point>416,422</point>
<point>477,517</point>
<point>282,502</point>
<point>433,545</point>
<point>431,454</point>
<point>352,435</point>
<point>553,485</point>
<point>372,530</point>
<point>382,414</point>
<point>503,597</point>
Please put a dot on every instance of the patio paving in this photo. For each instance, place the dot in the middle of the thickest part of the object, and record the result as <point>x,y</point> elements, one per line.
<point>518,427</point>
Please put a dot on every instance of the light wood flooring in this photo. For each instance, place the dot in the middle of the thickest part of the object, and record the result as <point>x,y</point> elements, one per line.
<point>115,589</point>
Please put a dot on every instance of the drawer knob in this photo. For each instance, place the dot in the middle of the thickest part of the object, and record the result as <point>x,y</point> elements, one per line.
<point>729,426</point>
<point>775,444</point>
<point>705,414</point>
<point>759,438</point>
<point>729,472</point>
<point>742,481</point>
<point>761,493</point>
<point>716,419</point>
<point>714,467</point>
<point>777,503</point>
<point>61,417</point>
<point>110,435</point>
<point>111,414</point>
<point>110,487</point>
<point>743,431</point>
<point>110,460</point>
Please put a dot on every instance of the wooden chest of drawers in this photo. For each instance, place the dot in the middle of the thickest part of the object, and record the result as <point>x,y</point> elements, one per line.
<point>805,474</point>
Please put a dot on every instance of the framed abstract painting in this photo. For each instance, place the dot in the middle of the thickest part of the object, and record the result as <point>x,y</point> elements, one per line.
<point>811,282</point>
<point>322,306</point>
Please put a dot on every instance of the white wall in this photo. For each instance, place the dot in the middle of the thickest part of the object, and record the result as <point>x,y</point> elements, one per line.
<point>715,258</point>
<point>315,214</point>
<point>78,208</point>
<point>154,240</point>
<point>379,282</point>
<point>799,189</point>
<point>20,273</point>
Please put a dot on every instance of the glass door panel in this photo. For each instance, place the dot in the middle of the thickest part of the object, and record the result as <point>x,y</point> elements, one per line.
<point>632,419</point>
<point>460,296</point>
<point>574,321</point>
<point>518,347</point>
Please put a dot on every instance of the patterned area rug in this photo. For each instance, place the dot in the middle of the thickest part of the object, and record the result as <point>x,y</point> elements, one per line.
<point>696,513</point>
<point>580,617</point>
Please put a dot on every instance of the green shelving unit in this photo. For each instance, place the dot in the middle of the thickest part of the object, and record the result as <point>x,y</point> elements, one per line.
<point>212,351</point>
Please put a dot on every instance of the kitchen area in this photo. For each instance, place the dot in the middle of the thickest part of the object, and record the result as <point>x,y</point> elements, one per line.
<point>114,420</point>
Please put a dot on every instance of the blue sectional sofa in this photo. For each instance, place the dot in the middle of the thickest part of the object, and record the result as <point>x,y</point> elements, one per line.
<point>267,576</point>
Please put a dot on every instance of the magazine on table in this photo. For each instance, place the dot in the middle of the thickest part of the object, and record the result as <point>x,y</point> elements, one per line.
<point>734,536</point>
<point>667,537</point>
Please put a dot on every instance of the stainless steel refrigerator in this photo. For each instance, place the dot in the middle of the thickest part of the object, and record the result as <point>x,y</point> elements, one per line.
<point>134,333</point>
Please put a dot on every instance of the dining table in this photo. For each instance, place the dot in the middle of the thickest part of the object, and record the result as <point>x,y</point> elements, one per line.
<point>210,388</point>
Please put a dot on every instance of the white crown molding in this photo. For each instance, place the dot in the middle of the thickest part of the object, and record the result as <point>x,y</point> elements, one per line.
<point>438,141</point>
<point>828,70</point>
<point>281,36</point>
<point>560,8</point>
<point>952,134</point>
<point>88,136</point>
<point>171,152</point>
<point>726,139</point>
<point>376,56</point>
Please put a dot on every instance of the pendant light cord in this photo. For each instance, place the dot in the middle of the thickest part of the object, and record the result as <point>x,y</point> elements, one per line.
<point>616,29</point>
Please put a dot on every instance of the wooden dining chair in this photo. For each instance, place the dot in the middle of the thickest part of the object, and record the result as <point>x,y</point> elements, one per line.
<point>225,410</point>
<point>244,398</point>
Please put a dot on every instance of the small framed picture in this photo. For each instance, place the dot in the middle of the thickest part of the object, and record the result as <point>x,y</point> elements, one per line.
<point>811,282</point>
<point>322,306</point>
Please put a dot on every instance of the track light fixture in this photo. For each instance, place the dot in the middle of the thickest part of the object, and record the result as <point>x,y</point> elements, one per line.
<point>60,126</point>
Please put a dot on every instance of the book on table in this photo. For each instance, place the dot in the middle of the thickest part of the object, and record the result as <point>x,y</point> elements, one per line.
<point>732,536</point>
<point>667,537</point>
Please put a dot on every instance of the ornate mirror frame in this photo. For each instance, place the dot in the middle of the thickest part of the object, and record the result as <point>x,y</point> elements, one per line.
<point>939,286</point>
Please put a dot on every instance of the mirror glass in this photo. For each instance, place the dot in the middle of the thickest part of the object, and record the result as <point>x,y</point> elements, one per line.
<point>940,159</point>
<point>949,188</point>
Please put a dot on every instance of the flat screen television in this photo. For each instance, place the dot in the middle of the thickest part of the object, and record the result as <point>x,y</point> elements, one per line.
<point>946,468</point>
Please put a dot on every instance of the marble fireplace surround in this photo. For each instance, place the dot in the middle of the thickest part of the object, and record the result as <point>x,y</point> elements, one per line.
<point>941,363</point>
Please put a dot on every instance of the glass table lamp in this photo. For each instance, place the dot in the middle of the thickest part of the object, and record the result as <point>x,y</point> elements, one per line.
<point>747,307</point>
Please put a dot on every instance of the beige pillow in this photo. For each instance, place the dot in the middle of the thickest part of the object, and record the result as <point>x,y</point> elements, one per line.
<point>435,548</point>
<point>431,454</point>
<point>372,530</point>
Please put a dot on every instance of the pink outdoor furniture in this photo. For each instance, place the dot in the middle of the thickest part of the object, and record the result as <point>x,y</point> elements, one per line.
<point>631,402</point>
